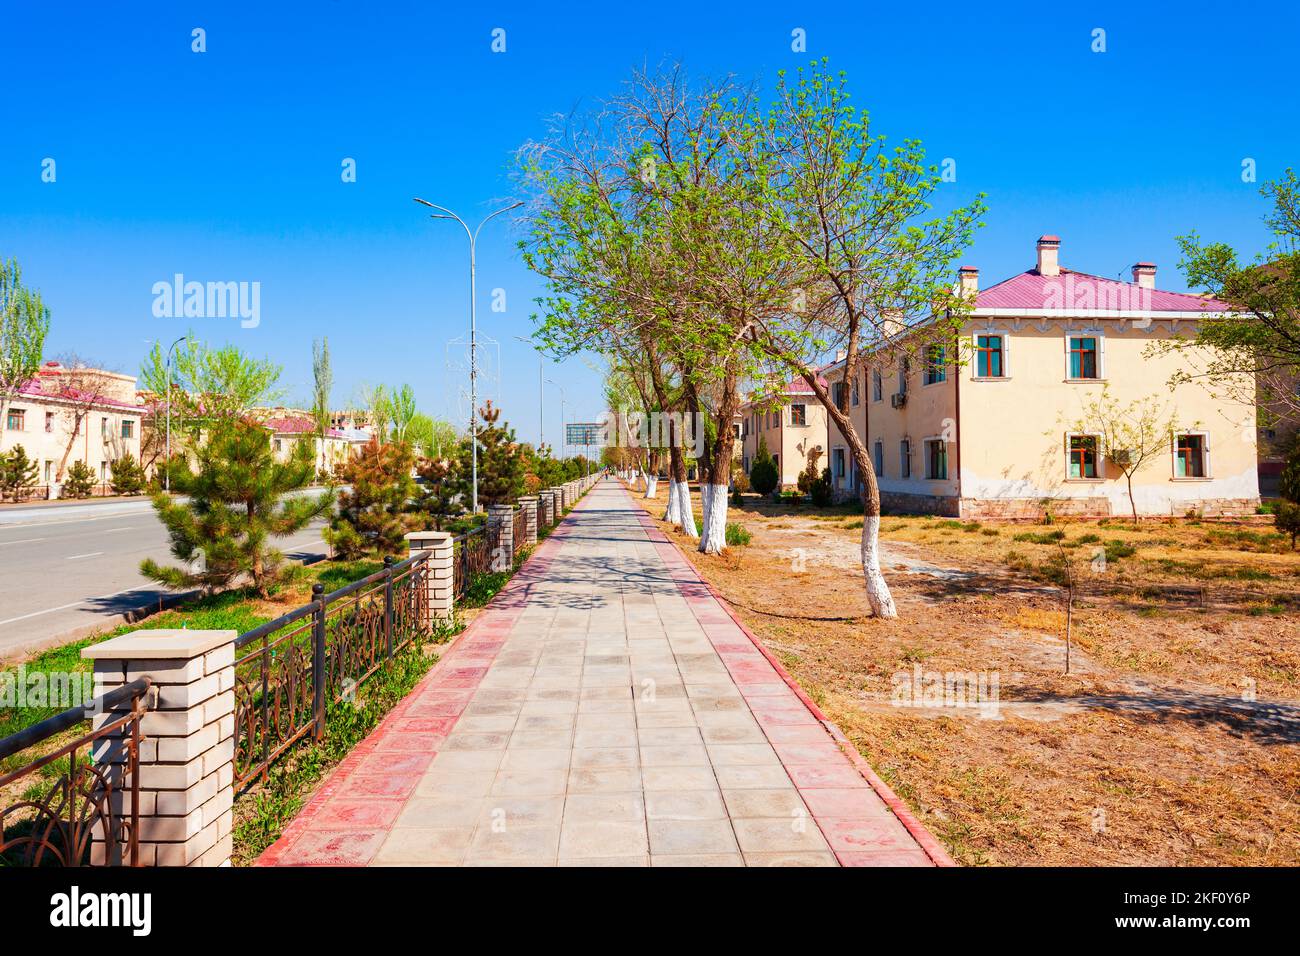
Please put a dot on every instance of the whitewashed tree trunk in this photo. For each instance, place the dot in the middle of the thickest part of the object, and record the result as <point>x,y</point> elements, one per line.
<point>714,538</point>
<point>706,501</point>
<point>673,513</point>
<point>686,511</point>
<point>881,601</point>
<point>651,486</point>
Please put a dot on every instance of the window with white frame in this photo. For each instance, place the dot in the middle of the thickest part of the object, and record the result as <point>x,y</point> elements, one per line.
<point>990,356</point>
<point>905,458</point>
<point>799,414</point>
<point>1083,356</point>
<point>878,457</point>
<point>936,459</point>
<point>16,419</point>
<point>877,386</point>
<point>1083,460</point>
<point>1191,455</point>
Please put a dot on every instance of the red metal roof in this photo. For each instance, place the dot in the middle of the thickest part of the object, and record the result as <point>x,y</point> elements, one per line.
<point>1079,290</point>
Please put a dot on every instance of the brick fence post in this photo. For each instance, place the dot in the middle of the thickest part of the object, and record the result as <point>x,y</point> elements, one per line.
<point>544,519</point>
<point>503,555</point>
<point>187,757</point>
<point>439,577</point>
<point>529,506</point>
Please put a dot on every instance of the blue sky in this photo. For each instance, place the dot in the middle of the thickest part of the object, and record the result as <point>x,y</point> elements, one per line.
<point>225,165</point>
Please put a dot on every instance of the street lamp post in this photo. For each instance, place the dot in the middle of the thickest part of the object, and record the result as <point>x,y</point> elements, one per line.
<point>563,430</point>
<point>167,470</point>
<point>445,213</point>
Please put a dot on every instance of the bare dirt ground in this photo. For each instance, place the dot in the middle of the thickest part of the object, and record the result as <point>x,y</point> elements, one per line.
<point>1173,740</point>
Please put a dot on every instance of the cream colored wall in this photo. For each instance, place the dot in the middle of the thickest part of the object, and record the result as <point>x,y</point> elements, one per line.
<point>46,448</point>
<point>1013,431</point>
<point>790,443</point>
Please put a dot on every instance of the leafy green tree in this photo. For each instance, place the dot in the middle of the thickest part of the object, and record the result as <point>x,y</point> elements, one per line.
<point>210,387</point>
<point>439,496</point>
<point>237,499</point>
<point>500,461</point>
<point>17,474</point>
<point>127,477</point>
<point>80,482</point>
<point>322,384</point>
<point>1289,481</point>
<point>401,412</point>
<point>375,513</point>
<point>763,477</point>
<point>431,437</point>
<point>1256,343</point>
<point>24,323</point>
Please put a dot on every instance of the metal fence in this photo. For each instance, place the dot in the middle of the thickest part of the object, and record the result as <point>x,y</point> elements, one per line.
<point>289,670</point>
<point>472,555</point>
<point>520,530</point>
<point>74,812</point>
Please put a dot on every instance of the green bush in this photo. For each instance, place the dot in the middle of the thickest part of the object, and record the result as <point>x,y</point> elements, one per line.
<point>763,477</point>
<point>1286,518</point>
<point>127,476</point>
<point>80,482</point>
<point>737,536</point>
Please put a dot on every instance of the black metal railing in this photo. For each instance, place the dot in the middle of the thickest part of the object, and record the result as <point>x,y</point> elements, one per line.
<point>81,802</point>
<point>289,670</point>
<point>472,554</point>
<point>520,530</point>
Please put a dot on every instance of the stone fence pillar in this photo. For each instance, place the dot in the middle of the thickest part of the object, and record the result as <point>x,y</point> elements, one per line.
<point>528,504</point>
<point>439,577</point>
<point>186,764</point>
<point>504,554</point>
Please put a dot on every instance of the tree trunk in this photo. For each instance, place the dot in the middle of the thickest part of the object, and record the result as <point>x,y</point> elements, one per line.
<point>651,485</point>
<point>1131,503</point>
<point>63,462</point>
<point>713,539</point>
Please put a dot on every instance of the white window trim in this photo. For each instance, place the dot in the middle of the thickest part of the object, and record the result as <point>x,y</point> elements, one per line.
<point>1100,336</point>
<point>877,375</point>
<point>1101,459</point>
<point>1006,355</point>
<point>844,456</point>
<point>1205,450</point>
<point>804,406</point>
<point>905,459</point>
<point>925,458</point>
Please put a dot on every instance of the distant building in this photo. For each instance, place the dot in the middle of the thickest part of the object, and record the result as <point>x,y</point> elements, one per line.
<point>67,414</point>
<point>792,422</point>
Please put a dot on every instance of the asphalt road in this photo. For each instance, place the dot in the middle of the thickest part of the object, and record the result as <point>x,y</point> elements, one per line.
<point>69,570</point>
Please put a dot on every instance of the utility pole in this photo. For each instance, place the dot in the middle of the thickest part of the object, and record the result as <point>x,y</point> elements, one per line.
<point>167,473</point>
<point>444,213</point>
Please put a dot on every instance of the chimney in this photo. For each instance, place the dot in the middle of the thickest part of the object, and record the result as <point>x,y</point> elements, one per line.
<point>968,281</point>
<point>1049,248</point>
<point>841,355</point>
<point>1144,274</point>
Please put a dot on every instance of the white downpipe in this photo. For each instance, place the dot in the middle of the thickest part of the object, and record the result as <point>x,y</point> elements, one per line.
<point>714,539</point>
<point>651,486</point>
<point>686,512</point>
<point>673,513</point>
<point>878,596</point>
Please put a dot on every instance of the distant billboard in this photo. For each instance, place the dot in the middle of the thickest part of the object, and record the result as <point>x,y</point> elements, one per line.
<point>582,433</point>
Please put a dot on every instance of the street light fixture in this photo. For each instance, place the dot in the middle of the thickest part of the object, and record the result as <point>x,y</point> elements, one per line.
<point>445,213</point>
<point>167,473</point>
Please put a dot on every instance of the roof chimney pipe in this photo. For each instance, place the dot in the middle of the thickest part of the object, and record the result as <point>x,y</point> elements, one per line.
<point>1049,249</point>
<point>1144,274</point>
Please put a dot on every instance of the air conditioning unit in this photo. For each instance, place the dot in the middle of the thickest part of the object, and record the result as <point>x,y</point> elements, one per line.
<point>898,399</point>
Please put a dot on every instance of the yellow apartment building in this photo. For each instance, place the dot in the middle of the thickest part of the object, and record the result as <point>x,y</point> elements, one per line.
<point>994,425</point>
<point>792,422</point>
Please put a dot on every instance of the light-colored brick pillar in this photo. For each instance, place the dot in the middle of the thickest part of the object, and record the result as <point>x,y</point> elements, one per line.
<point>504,554</point>
<point>529,506</point>
<point>558,494</point>
<point>186,765</point>
<point>439,581</point>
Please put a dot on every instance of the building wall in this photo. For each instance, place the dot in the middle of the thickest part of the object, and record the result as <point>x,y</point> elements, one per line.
<point>1013,431</point>
<point>47,429</point>
<point>789,443</point>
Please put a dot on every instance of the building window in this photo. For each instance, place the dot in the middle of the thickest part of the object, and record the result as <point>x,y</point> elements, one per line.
<point>905,459</point>
<point>15,419</point>
<point>855,395</point>
<point>904,367</point>
<point>837,395</point>
<point>838,458</point>
<point>1083,456</point>
<point>49,421</point>
<point>798,414</point>
<point>878,457</point>
<point>128,429</point>
<point>877,387</point>
<point>103,428</point>
<point>1190,456</point>
<point>279,445</point>
<point>989,357</point>
<point>935,372</point>
<point>936,459</point>
<point>1083,357</point>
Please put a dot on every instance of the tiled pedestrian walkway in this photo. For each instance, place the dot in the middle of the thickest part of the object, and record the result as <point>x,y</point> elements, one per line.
<point>606,709</point>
